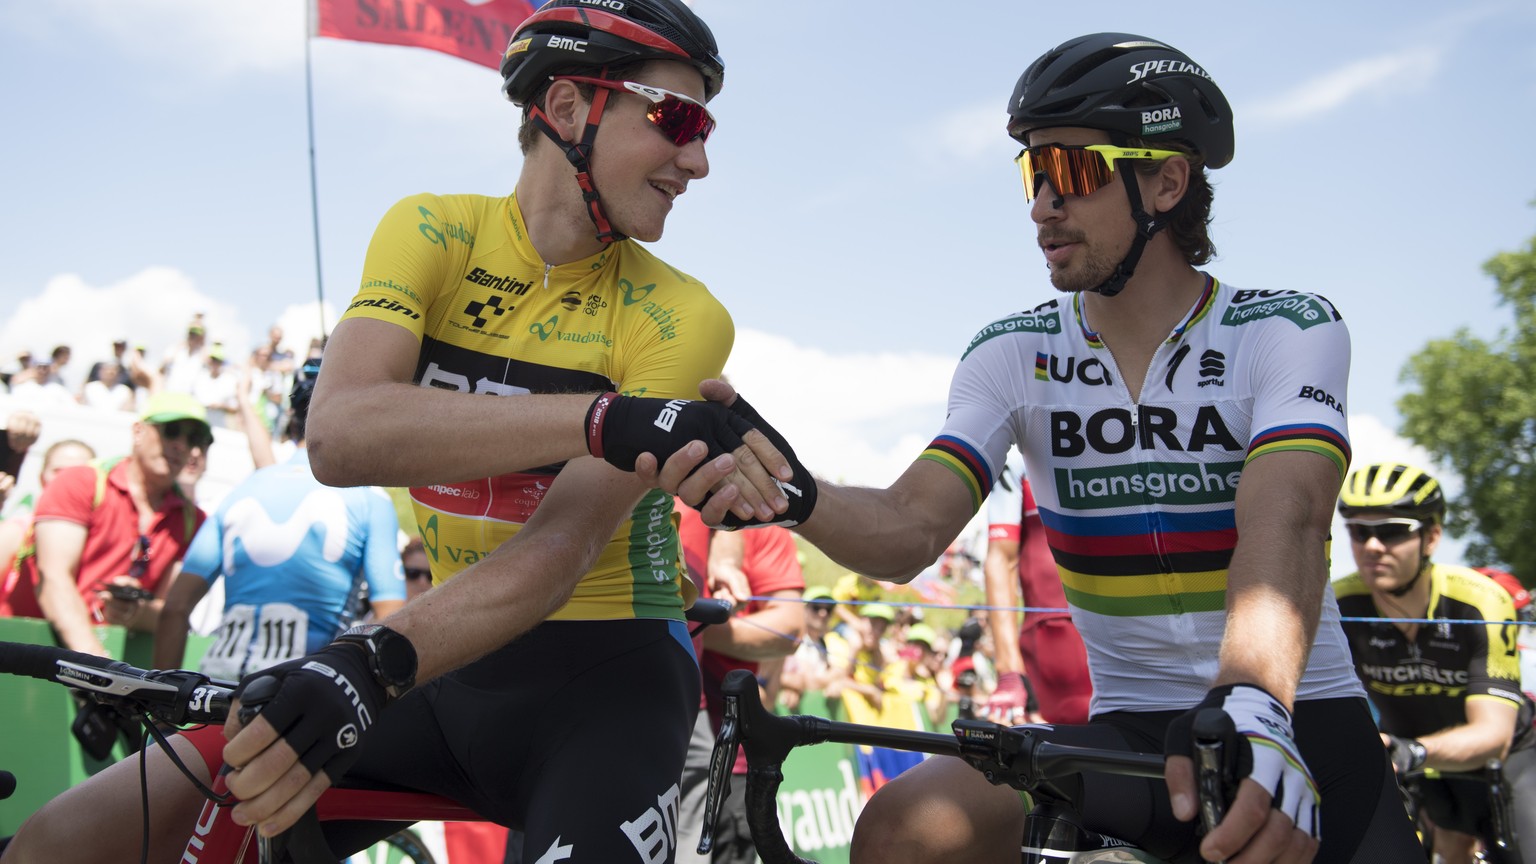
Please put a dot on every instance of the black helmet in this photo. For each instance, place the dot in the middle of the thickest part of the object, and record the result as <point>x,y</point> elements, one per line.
<point>1393,487</point>
<point>597,33</point>
<point>298,398</point>
<point>1129,86</point>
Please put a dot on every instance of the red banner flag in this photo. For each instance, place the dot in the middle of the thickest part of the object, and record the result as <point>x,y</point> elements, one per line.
<point>478,33</point>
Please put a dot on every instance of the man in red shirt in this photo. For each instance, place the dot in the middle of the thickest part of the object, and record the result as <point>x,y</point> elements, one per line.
<point>108,527</point>
<point>1046,650</point>
<point>763,562</point>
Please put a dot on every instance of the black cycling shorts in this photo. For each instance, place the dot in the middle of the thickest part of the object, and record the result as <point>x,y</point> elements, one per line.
<point>575,733</point>
<point>1363,818</point>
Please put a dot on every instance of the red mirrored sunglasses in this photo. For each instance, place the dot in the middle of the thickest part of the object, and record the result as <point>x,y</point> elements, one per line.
<point>680,118</point>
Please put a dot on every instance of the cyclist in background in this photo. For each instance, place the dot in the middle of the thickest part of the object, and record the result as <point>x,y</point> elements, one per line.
<point>1042,665</point>
<point>539,296</point>
<point>297,557</point>
<point>1448,693</point>
<point>1155,389</point>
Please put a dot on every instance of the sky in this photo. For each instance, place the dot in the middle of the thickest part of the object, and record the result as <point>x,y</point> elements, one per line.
<point>862,218</point>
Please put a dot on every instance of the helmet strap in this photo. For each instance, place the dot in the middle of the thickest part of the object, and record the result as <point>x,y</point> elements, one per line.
<point>579,155</point>
<point>1146,226</point>
<point>1401,590</point>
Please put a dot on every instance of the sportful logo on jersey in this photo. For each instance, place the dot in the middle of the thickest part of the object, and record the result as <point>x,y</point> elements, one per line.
<point>571,300</point>
<point>1213,365</point>
<point>1304,310</point>
<point>1049,367</point>
<point>1031,322</point>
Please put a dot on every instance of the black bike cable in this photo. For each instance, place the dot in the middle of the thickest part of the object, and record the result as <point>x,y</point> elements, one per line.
<point>144,790</point>
<point>225,799</point>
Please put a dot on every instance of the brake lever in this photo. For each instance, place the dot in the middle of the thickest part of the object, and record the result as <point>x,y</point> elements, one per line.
<point>1215,766</point>
<point>721,761</point>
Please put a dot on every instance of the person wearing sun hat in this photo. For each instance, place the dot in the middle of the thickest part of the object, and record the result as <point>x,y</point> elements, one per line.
<point>87,534</point>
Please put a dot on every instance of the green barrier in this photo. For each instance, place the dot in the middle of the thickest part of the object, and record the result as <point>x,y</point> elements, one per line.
<point>35,742</point>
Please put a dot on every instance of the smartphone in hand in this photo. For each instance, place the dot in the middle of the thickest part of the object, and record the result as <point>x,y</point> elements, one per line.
<point>129,593</point>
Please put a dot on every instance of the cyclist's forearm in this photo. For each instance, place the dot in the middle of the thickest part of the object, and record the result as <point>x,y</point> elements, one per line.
<point>1487,734</point>
<point>491,436</point>
<point>770,633</point>
<point>1001,571</point>
<point>890,534</point>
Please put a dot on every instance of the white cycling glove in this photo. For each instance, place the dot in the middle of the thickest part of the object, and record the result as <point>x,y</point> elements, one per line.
<point>1266,749</point>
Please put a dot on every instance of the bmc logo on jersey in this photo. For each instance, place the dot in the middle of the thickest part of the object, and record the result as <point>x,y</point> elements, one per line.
<point>1050,367</point>
<point>1113,430</point>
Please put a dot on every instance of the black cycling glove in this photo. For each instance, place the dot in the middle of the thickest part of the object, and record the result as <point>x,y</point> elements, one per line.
<point>1407,754</point>
<point>322,706</point>
<point>620,428</point>
<point>799,490</point>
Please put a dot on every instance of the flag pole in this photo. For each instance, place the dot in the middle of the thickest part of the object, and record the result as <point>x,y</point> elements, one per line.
<point>314,195</point>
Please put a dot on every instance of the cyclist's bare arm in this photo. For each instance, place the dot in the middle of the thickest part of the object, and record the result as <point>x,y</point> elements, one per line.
<point>369,371</point>
<point>484,607</point>
<point>771,632</point>
<point>1275,585</point>
<point>60,545</point>
<point>1487,734</point>
<point>175,618</point>
<point>891,533</point>
<point>1000,569</point>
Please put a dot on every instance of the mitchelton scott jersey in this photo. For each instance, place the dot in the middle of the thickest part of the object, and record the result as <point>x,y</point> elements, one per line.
<point>460,272</point>
<point>1421,684</point>
<point>1138,498</point>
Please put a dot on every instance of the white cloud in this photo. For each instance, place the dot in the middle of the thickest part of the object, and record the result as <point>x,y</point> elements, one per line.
<point>1406,69</point>
<point>966,134</point>
<point>150,308</point>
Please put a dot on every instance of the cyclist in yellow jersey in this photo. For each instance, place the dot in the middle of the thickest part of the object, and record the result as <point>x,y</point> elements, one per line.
<point>493,344</point>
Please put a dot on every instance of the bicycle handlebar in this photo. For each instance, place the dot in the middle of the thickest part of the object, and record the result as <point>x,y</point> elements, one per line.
<point>175,696</point>
<point>1019,757</point>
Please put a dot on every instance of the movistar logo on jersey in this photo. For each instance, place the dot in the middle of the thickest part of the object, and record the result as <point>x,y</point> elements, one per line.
<point>438,232</point>
<point>1136,485</point>
<point>1030,322</point>
<point>1304,310</point>
<point>1051,367</point>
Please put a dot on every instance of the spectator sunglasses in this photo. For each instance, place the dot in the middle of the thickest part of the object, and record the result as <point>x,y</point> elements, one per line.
<point>194,433</point>
<point>1388,531</point>
<point>680,118</point>
<point>1076,169</point>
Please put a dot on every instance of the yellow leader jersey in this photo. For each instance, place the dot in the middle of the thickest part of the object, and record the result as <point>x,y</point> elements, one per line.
<point>459,272</point>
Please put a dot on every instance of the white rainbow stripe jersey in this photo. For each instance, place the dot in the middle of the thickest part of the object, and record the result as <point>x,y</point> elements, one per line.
<point>1138,498</point>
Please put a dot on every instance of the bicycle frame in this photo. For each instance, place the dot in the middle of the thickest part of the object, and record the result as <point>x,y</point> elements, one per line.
<point>181,697</point>
<point>216,839</point>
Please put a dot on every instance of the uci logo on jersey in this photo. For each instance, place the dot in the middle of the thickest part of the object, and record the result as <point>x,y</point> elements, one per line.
<point>1050,367</point>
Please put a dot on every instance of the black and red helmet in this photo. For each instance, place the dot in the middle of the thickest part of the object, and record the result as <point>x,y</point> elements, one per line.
<point>564,34</point>
<point>1129,86</point>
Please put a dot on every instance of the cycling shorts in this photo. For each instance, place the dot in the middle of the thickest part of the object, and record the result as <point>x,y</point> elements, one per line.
<point>1363,819</point>
<point>1057,665</point>
<point>1462,802</point>
<point>575,733</point>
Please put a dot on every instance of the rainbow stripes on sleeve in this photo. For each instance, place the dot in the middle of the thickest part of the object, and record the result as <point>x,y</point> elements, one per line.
<point>967,463</point>
<point>1312,437</point>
